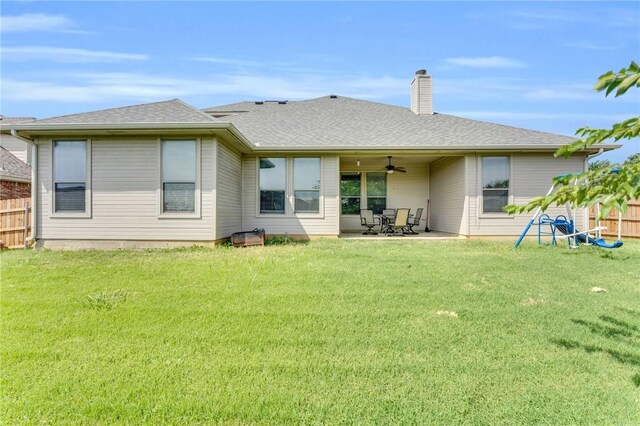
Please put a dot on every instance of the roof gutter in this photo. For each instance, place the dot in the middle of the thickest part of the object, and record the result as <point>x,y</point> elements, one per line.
<point>15,179</point>
<point>34,184</point>
<point>435,149</point>
<point>15,134</point>
<point>590,156</point>
<point>240,137</point>
<point>118,126</point>
<point>600,151</point>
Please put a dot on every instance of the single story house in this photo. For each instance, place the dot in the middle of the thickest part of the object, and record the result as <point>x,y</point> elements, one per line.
<point>166,173</point>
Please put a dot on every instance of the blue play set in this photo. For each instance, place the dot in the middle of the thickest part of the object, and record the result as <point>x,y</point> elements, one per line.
<point>563,227</point>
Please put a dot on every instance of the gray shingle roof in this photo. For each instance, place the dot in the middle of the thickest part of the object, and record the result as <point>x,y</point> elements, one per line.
<point>173,111</point>
<point>239,107</point>
<point>12,168</point>
<point>326,123</point>
<point>348,122</point>
<point>14,120</point>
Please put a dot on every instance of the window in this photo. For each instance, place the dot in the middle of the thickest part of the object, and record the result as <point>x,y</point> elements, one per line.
<point>273,172</point>
<point>306,185</point>
<point>70,176</point>
<point>289,186</point>
<point>495,184</point>
<point>377,192</point>
<point>350,193</point>
<point>179,167</point>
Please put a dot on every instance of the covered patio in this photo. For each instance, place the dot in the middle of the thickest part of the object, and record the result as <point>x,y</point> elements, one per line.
<point>381,183</point>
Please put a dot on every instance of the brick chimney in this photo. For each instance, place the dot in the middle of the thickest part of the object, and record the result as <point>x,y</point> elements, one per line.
<point>422,93</point>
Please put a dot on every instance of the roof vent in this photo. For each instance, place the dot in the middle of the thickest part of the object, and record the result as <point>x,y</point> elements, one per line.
<point>333,96</point>
<point>271,102</point>
<point>421,72</point>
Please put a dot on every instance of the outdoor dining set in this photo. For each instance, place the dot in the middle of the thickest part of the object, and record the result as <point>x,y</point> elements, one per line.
<point>391,221</point>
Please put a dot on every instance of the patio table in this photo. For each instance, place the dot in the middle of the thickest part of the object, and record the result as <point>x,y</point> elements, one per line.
<point>387,220</point>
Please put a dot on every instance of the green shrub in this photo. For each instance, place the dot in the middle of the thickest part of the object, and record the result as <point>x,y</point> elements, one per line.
<point>279,240</point>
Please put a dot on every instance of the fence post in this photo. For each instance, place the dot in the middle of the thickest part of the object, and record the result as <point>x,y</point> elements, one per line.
<point>26,223</point>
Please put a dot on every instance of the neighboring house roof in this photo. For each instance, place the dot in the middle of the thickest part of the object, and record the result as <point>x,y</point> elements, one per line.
<point>342,122</point>
<point>12,168</point>
<point>173,111</point>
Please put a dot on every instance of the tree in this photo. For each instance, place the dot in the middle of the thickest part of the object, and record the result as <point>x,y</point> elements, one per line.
<point>633,159</point>
<point>611,186</point>
<point>598,164</point>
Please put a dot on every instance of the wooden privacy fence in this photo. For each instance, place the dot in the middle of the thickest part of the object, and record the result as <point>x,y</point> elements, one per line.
<point>630,221</point>
<point>15,222</point>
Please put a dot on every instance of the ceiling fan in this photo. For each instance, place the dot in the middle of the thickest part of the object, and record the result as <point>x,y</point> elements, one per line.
<point>391,168</point>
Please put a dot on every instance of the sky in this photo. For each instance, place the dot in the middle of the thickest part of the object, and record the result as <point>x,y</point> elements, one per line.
<point>530,65</point>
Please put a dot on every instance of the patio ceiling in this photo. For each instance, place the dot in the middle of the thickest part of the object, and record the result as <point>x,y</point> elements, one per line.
<point>368,162</point>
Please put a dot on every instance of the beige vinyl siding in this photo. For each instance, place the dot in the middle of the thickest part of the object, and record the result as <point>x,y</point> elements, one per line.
<point>447,195</point>
<point>18,148</point>
<point>228,190</point>
<point>126,196</point>
<point>531,176</point>
<point>410,190</point>
<point>326,223</point>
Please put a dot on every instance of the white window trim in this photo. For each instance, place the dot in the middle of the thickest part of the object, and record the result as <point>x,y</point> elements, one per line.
<point>289,207</point>
<point>52,198</point>
<point>510,197</point>
<point>197,214</point>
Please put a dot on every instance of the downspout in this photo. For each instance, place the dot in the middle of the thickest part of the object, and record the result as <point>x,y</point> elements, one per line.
<point>476,194</point>
<point>590,156</point>
<point>34,183</point>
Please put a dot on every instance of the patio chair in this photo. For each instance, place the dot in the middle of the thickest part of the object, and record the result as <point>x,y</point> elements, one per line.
<point>415,221</point>
<point>369,221</point>
<point>399,225</point>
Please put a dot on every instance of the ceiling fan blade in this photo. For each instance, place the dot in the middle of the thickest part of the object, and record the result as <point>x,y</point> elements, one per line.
<point>391,168</point>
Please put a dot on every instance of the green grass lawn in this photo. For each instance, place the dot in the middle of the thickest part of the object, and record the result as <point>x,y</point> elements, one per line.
<point>327,332</point>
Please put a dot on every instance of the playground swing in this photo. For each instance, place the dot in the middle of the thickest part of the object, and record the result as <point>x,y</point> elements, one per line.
<point>562,227</point>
